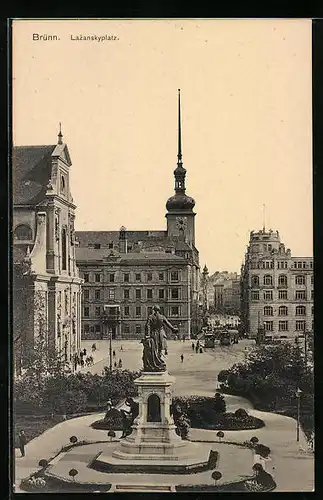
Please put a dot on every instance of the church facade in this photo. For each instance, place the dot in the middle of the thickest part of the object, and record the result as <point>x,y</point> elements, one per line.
<point>46,281</point>
<point>127,272</point>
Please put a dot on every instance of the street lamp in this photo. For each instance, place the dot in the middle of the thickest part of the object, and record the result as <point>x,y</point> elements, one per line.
<point>111,320</point>
<point>298,396</point>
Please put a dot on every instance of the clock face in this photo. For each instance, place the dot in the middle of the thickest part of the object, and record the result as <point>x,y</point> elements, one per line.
<point>181,222</point>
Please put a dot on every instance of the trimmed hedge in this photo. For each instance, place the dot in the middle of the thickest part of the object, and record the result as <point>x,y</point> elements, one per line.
<point>202,414</point>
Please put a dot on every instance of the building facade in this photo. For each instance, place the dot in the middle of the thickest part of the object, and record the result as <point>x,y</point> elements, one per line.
<point>127,272</point>
<point>46,282</point>
<point>277,290</point>
<point>227,293</point>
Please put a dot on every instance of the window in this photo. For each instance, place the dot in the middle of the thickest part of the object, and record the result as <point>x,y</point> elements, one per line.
<point>126,329</point>
<point>97,294</point>
<point>174,276</point>
<point>64,250</point>
<point>126,277</point>
<point>126,293</point>
<point>282,280</point>
<point>161,293</point>
<point>149,293</point>
<point>138,293</point>
<point>111,245</point>
<point>300,325</point>
<point>161,276</point>
<point>138,277</point>
<point>138,311</point>
<point>282,294</point>
<point>86,278</point>
<point>268,311</point>
<point>126,310</point>
<point>269,326</point>
<point>268,280</point>
<point>283,326</point>
<point>254,280</point>
<point>62,184</point>
<point>311,264</point>
<point>300,295</point>
<point>282,311</point>
<point>97,246</point>
<point>86,294</point>
<point>111,293</point>
<point>175,311</point>
<point>149,310</point>
<point>162,309</point>
<point>312,294</point>
<point>138,329</point>
<point>255,295</point>
<point>98,311</point>
<point>282,264</point>
<point>174,293</point>
<point>97,277</point>
<point>86,312</point>
<point>86,328</point>
<point>97,328</point>
<point>23,232</point>
<point>269,264</point>
<point>312,280</point>
<point>300,310</point>
<point>111,277</point>
<point>300,280</point>
<point>269,247</point>
<point>149,276</point>
<point>268,295</point>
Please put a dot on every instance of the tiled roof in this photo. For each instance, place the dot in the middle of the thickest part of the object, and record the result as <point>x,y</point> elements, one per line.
<point>89,254</point>
<point>86,238</point>
<point>31,171</point>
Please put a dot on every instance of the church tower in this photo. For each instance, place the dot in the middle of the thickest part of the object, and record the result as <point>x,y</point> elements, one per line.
<point>180,215</point>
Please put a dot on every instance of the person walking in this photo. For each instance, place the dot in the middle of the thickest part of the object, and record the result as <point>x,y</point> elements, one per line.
<point>22,442</point>
<point>115,364</point>
<point>193,346</point>
<point>182,358</point>
<point>121,348</point>
<point>93,347</point>
<point>120,363</point>
<point>84,351</point>
<point>114,354</point>
<point>196,348</point>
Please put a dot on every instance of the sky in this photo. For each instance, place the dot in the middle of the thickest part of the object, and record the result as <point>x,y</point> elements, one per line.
<point>246,123</point>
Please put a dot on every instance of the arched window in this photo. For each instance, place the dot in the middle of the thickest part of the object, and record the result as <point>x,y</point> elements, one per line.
<point>153,409</point>
<point>300,310</point>
<point>255,280</point>
<point>282,311</point>
<point>23,232</point>
<point>300,280</point>
<point>268,279</point>
<point>62,184</point>
<point>268,311</point>
<point>282,280</point>
<point>64,250</point>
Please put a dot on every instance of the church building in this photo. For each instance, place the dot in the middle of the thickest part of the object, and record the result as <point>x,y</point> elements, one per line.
<point>127,272</point>
<point>46,282</point>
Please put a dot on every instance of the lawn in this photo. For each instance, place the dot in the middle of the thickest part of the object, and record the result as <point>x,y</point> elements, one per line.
<point>33,425</point>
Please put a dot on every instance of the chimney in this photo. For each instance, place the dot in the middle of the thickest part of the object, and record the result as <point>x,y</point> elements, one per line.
<point>123,245</point>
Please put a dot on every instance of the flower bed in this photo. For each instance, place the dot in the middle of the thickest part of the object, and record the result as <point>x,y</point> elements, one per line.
<point>203,415</point>
<point>40,483</point>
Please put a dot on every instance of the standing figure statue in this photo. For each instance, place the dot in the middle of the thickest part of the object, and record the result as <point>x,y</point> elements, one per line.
<point>155,341</point>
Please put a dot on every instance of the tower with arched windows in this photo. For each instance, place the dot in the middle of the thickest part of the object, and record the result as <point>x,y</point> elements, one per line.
<point>45,271</point>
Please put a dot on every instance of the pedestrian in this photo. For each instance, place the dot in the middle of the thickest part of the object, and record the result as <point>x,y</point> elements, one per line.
<point>93,347</point>
<point>197,348</point>
<point>120,363</point>
<point>193,346</point>
<point>114,354</point>
<point>22,442</point>
<point>115,364</point>
<point>84,351</point>
<point>183,338</point>
<point>201,349</point>
<point>82,361</point>
<point>121,348</point>
<point>182,357</point>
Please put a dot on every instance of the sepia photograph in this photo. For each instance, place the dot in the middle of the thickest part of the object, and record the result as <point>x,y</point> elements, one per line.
<point>162,256</point>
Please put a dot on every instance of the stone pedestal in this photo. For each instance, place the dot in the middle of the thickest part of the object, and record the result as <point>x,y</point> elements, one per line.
<point>154,429</point>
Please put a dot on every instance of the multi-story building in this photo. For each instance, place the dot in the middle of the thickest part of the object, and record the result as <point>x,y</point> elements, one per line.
<point>227,293</point>
<point>46,282</point>
<point>277,289</point>
<point>127,272</point>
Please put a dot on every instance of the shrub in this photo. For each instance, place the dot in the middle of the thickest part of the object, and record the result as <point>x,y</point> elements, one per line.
<point>73,439</point>
<point>241,413</point>
<point>111,435</point>
<point>219,403</point>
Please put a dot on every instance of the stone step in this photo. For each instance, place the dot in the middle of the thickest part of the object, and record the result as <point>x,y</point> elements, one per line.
<point>143,488</point>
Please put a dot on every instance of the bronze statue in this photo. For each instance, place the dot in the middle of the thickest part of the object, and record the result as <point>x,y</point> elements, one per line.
<point>155,341</point>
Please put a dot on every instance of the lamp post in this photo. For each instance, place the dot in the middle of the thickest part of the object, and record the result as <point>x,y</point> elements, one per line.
<point>298,396</point>
<point>111,320</point>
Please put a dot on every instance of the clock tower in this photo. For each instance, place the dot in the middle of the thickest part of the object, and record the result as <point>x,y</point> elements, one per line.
<point>180,215</point>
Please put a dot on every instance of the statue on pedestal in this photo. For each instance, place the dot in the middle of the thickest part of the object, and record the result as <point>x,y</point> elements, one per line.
<point>155,341</point>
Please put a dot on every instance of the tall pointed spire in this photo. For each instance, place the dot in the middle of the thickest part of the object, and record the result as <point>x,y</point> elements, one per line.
<point>60,136</point>
<point>179,154</point>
